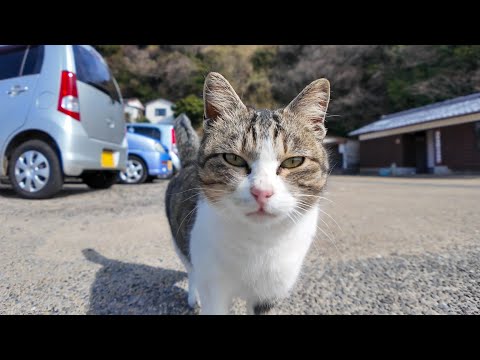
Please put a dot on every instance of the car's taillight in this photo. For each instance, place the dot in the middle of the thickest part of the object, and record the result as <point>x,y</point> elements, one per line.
<point>68,99</point>
<point>173,137</point>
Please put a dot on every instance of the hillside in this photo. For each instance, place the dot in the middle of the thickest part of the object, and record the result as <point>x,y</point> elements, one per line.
<point>367,80</point>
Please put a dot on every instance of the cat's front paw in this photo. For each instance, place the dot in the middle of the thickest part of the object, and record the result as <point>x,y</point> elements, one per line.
<point>193,300</point>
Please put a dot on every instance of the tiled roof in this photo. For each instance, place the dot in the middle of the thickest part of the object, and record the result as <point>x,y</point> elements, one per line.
<point>454,107</point>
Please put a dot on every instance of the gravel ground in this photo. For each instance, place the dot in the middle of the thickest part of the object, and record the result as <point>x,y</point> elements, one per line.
<point>396,246</point>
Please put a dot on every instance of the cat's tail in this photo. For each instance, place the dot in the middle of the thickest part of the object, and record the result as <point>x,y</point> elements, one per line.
<point>187,140</point>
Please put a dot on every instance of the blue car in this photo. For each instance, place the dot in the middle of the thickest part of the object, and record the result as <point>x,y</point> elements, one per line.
<point>147,159</point>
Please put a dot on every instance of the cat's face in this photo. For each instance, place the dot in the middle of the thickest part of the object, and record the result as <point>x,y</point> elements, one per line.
<point>262,166</point>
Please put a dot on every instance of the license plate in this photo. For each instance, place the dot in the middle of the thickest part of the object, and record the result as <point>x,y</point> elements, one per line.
<point>169,165</point>
<point>107,159</point>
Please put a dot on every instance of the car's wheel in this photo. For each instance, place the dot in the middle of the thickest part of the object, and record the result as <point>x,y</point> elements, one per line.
<point>136,172</point>
<point>34,170</point>
<point>100,179</point>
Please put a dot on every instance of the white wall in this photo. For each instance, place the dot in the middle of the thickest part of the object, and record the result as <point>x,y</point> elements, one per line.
<point>134,113</point>
<point>430,149</point>
<point>351,154</point>
<point>158,104</point>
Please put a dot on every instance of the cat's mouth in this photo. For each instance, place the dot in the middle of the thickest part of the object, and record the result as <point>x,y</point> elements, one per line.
<point>260,213</point>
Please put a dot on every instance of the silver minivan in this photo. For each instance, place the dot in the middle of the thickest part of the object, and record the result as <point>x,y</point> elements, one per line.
<point>61,115</point>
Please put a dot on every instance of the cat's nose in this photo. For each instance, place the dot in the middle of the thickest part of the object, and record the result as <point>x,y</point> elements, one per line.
<point>261,195</point>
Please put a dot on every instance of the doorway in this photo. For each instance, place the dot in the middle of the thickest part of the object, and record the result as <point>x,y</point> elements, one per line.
<point>421,152</point>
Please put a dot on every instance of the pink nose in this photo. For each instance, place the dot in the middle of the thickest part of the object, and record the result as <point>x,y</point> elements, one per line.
<point>261,195</point>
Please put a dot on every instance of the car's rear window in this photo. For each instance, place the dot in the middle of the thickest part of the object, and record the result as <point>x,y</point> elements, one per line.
<point>92,70</point>
<point>11,59</point>
<point>151,132</point>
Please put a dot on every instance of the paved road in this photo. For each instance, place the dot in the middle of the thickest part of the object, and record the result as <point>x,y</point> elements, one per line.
<point>399,246</point>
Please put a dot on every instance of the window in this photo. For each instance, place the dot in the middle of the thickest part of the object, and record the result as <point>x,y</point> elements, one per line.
<point>11,58</point>
<point>477,134</point>
<point>14,58</point>
<point>92,70</point>
<point>160,112</point>
<point>34,60</point>
<point>151,132</point>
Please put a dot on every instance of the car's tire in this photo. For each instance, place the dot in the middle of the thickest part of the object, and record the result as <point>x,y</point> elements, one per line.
<point>100,179</point>
<point>34,170</point>
<point>136,173</point>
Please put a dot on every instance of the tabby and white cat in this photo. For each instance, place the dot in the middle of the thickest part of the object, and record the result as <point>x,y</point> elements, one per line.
<point>243,210</point>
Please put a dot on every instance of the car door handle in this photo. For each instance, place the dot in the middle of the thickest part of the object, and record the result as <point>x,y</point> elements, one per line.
<point>17,89</point>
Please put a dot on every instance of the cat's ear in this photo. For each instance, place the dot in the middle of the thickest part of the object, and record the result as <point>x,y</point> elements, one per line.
<point>311,106</point>
<point>220,100</point>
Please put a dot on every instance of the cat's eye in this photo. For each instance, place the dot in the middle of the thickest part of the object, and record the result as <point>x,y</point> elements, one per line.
<point>235,160</point>
<point>292,162</point>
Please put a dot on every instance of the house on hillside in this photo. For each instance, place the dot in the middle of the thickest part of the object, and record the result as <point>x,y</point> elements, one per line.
<point>439,138</point>
<point>159,110</point>
<point>133,109</point>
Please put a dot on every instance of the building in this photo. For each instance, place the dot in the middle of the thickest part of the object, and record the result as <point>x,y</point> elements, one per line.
<point>159,110</point>
<point>343,154</point>
<point>439,138</point>
<point>133,109</point>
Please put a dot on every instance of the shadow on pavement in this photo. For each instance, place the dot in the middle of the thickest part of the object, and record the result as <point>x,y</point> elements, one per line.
<point>135,289</point>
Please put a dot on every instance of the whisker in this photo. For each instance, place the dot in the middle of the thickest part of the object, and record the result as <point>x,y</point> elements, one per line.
<point>291,218</point>
<point>328,226</point>
<point>303,203</point>
<point>180,226</point>
<point>327,235</point>
<point>332,220</point>
<point>320,197</point>
<point>223,191</point>
<point>331,240</point>
<point>196,188</point>
<point>315,236</point>
<point>190,197</point>
<point>181,192</point>
<point>331,169</point>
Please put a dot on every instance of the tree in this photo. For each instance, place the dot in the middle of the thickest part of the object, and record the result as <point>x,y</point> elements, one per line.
<point>367,81</point>
<point>192,106</point>
<point>355,73</point>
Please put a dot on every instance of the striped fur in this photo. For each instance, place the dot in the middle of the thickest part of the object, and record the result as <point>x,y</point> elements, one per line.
<point>207,181</point>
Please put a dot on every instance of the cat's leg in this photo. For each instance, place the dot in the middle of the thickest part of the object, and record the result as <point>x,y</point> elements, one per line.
<point>215,298</point>
<point>250,306</point>
<point>260,307</point>
<point>192,290</point>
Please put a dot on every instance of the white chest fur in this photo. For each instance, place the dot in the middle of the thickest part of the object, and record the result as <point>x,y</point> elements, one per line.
<point>231,259</point>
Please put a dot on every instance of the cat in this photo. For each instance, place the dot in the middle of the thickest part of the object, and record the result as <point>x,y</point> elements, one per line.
<point>243,210</point>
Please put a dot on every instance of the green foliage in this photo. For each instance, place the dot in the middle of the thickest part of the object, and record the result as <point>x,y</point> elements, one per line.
<point>192,106</point>
<point>142,119</point>
<point>367,81</point>
<point>263,59</point>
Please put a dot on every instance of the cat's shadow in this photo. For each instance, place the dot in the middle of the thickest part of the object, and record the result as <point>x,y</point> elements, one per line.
<point>135,289</point>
